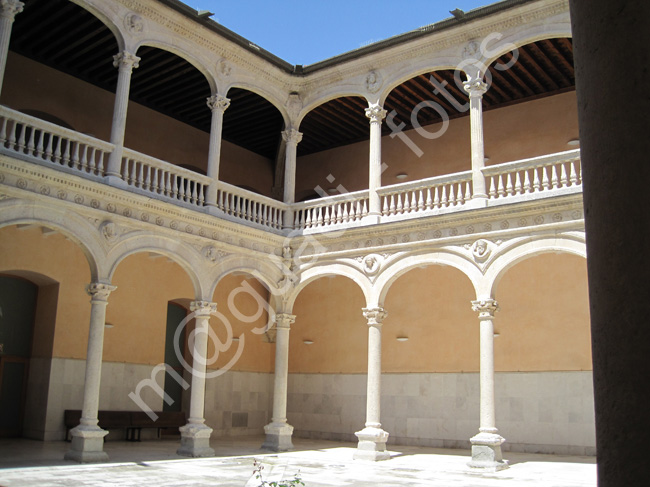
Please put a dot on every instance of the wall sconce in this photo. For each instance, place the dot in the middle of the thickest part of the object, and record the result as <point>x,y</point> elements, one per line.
<point>402,339</point>
<point>108,325</point>
<point>573,142</point>
<point>307,342</point>
<point>401,175</point>
<point>235,339</point>
<point>496,334</point>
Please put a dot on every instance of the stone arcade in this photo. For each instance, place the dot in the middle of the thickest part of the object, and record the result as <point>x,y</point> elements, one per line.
<point>345,229</point>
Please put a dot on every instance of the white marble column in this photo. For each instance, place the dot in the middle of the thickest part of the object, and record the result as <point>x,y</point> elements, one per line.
<point>278,432</point>
<point>125,62</point>
<point>195,435</point>
<point>486,445</point>
<point>372,439</point>
<point>218,105</point>
<point>291,137</point>
<point>8,11</point>
<point>376,114</point>
<point>88,438</point>
<point>476,88</point>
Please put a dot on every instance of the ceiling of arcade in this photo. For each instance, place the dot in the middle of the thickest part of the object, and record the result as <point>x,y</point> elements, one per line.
<point>63,35</point>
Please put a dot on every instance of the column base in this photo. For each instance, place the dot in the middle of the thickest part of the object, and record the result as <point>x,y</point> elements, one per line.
<point>486,452</point>
<point>87,445</point>
<point>477,201</point>
<point>372,218</point>
<point>213,209</point>
<point>278,437</point>
<point>372,444</point>
<point>195,441</point>
<point>115,180</point>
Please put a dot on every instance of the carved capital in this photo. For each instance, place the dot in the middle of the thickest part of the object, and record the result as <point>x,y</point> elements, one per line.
<point>291,136</point>
<point>99,291</point>
<point>218,102</point>
<point>10,8</point>
<point>476,87</point>
<point>486,308</point>
<point>375,113</point>
<point>126,61</point>
<point>284,320</point>
<point>203,308</point>
<point>374,316</point>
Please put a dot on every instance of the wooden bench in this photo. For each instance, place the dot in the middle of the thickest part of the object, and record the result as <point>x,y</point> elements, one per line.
<point>132,421</point>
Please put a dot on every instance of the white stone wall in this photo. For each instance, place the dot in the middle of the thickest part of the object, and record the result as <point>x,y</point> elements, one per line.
<point>549,412</point>
<point>243,396</point>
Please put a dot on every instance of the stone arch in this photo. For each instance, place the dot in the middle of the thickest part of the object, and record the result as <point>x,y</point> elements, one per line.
<point>181,253</point>
<point>268,273</point>
<point>105,13</point>
<point>76,228</point>
<point>409,262</point>
<point>260,90</point>
<point>422,66</point>
<point>321,99</point>
<point>523,249</point>
<point>183,54</point>
<point>343,270</point>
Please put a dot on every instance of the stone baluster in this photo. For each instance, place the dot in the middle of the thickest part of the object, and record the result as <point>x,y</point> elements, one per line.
<point>125,62</point>
<point>372,439</point>
<point>292,138</point>
<point>476,88</point>
<point>218,105</point>
<point>278,432</point>
<point>8,11</point>
<point>195,435</point>
<point>486,445</point>
<point>88,437</point>
<point>376,114</point>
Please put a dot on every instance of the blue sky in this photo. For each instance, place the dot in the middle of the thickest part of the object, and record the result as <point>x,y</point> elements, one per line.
<point>308,31</point>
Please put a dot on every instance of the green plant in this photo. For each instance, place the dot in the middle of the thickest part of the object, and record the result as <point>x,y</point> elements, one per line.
<point>258,467</point>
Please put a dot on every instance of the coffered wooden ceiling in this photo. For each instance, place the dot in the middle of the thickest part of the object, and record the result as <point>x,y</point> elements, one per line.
<point>64,36</point>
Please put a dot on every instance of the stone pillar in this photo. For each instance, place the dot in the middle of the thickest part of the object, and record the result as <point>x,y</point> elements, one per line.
<point>278,432</point>
<point>611,37</point>
<point>486,445</point>
<point>125,62</point>
<point>291,138</point>
<point>8,11</point>
<point>218,105</point>
<point>88,438</point>
<point>376,114</point>
<point>476,88</point>
<point>195,435</point>
<point>372,439</point>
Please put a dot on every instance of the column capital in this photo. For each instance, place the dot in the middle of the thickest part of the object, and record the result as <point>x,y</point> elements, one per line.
<point>218,102</point>
<point>476,87</point>
<point>203,308</point>
<point>126,60</point>
<point>375,316</point>
<point>291,136</point>
<point>486,308</point>
<point>284,320</point>
<point>375,113</point>
<point>99,291</point>
<point>10,8</point>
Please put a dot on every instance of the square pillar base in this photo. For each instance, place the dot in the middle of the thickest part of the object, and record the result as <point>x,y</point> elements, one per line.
<point>195,441</point>
<point>87,445</point>
<point>486,453</point>
<point>372,445</point>
<point>278,437</point>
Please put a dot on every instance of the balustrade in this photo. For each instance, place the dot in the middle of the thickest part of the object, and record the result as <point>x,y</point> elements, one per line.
<point>331,210</point>
<point>251,207</point>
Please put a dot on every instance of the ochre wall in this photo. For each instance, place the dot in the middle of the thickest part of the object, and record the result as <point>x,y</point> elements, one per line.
<point>137,309</point>
<point>543,323</point>
<point>29,85</point>
<point>534,128</point>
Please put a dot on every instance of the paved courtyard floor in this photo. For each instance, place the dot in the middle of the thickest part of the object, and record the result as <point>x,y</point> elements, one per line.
<point>320,463</point>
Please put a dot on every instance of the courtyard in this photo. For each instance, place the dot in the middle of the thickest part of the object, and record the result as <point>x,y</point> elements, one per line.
<point>320,463</point>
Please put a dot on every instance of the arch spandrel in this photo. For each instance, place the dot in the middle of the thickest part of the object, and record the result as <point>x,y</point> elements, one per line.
<point>267,271</point>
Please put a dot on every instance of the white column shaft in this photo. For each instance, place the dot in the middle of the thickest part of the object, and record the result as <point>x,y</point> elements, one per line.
<point>373,405</point>
<point>125,62</point>
<point>8,12</point>
<point>281,375</point>
<point>218,105</point>
<point>376,114</point>
<point>292,137</point>
<point>488,423</point>
<point>98,302</point>
<point>199,355</point>
<point>476,88</point>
